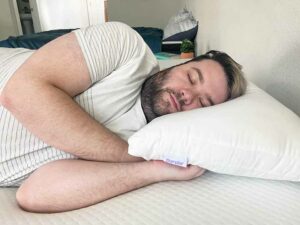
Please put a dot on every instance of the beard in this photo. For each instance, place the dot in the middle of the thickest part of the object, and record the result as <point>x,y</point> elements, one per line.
<point>152,94</point>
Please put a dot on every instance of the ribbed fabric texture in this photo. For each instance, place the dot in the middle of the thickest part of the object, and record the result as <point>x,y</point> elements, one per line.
<point>107,47</point>
<point>211,199</point>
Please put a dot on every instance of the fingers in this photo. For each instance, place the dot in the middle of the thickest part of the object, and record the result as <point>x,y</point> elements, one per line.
<point>168,171</point>
<point>195,171</point>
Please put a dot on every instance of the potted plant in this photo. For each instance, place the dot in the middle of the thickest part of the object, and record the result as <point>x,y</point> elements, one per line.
<point>187,49</point>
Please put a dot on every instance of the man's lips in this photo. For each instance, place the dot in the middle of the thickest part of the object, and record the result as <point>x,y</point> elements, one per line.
<point>174,101</point>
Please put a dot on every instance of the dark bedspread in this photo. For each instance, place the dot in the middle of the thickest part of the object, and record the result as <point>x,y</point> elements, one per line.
<point>152,36</point>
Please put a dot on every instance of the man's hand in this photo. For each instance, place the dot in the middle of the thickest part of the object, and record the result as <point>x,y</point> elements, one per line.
<point>167,171</point>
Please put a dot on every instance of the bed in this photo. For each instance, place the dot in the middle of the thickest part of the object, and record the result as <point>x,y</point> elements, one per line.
<point>269,49</point>
<point>210,199</point>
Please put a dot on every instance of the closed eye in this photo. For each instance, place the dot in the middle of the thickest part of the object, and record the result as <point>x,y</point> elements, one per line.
<point>202,103</point>
<point>190,79</point>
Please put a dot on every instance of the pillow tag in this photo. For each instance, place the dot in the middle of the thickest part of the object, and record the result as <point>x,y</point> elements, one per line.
<point>176,160</point>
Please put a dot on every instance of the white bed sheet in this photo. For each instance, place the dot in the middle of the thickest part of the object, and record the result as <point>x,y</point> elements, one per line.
<point>210,199</point>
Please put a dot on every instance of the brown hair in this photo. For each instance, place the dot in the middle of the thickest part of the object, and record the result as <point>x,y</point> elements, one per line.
<point>236,81</point>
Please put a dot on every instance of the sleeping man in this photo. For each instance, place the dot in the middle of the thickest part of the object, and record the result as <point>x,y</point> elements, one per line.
<point>68,109</point>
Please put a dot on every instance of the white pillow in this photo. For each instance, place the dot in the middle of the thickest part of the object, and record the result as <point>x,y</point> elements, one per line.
<point>253,135</point>
<point>181,22</point>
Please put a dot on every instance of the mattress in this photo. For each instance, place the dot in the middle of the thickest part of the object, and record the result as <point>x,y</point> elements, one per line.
<point>210,199</point>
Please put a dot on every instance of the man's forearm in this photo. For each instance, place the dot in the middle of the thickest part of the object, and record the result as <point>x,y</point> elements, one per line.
<point>71,184</point>
<point>63,124</point>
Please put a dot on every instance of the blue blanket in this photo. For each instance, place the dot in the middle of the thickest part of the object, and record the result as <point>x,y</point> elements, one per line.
<point>152,36</point>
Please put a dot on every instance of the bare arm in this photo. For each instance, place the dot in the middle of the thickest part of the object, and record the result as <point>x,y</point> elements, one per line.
<point>71,184</point>
<point>40,95</point>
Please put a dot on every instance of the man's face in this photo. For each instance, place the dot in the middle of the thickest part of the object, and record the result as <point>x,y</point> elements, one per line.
<point>189,86</point>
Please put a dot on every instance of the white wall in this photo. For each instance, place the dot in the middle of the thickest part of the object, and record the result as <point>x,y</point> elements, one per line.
<point>8,24</point>
<point>66,14</point>
<point>262,35</point>
<point>149,13</point>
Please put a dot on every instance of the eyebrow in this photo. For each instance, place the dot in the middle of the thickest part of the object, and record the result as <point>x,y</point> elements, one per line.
<point>201,79</point>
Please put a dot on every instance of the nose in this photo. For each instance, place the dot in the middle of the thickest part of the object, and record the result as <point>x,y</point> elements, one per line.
<point>186,96</point>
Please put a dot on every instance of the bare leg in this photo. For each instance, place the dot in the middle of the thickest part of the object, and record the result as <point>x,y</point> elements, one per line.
<point>71,184</point>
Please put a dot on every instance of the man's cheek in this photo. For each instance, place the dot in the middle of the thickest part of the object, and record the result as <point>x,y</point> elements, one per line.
<point>162,105</point>
<point>190,107</point>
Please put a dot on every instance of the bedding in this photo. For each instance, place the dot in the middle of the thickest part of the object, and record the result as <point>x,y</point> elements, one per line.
<point>211,199</point>
<point>181,26</point>
<point>33,41</point>
<point>253,135</point>
<point>188,34</point>
<point>152,36</point>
